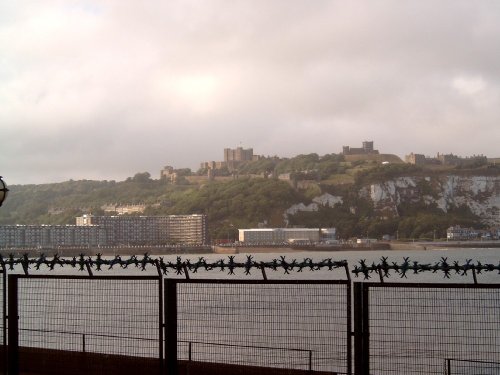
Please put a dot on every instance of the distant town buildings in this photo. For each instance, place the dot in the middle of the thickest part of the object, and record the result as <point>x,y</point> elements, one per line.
<point>366,149</point>
<point>37,236</point>
<point>417,159</point>
<point>234,158</point>
<point>110,230</point>
<point>123,209</point>
<point>458,233</point>
<point>213,165</point>
<point>168,173</point>
<point>444,159</point>
<point>289,235</point>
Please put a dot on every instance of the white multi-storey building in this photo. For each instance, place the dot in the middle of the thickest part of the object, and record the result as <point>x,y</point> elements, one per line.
<point>148,230</point>
<point>109,230</point>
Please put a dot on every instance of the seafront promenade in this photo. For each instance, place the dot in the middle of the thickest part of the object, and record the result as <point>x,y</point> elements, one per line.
<point>378,246</point>
<point>237,249</point>
<point>108,251</point>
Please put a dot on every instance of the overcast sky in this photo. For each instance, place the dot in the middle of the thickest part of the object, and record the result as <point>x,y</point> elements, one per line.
<point>102,89</point>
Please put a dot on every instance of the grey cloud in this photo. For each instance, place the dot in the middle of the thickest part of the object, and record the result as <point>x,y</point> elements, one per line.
<point>105,89</point>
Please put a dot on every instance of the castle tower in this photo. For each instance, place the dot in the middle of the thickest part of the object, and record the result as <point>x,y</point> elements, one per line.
<point>368,146</point>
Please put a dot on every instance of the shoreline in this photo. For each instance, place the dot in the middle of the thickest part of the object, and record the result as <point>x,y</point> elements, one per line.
<point>378,246</point>
<point>231,250</point>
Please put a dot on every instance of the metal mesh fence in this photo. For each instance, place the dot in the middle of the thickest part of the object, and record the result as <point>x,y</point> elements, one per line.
<point>294,325</point>
<point>415,329</point>
<point>113,325</point>
<point>118,317</point>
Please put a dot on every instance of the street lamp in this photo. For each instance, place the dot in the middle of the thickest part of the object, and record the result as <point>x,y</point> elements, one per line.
<point>3,191</point>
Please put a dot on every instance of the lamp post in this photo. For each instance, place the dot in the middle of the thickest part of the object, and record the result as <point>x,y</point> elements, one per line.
<point>3,191</point>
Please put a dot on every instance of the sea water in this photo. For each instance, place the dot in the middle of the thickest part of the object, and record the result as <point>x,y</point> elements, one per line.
<point>110,325</point>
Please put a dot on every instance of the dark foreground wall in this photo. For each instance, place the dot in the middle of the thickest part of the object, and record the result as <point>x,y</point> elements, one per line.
<point>55,362</point>
<point>33,361</point>
<point>204,368</point>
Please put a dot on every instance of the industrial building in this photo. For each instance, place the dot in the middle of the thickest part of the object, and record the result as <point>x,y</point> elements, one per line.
<point>289,235</point>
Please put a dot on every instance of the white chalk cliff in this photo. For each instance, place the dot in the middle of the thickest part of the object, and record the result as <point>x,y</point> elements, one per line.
<point>480,193</point>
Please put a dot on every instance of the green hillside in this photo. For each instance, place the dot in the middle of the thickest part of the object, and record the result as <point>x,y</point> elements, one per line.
<point>244,202</point>
<point>229,205</point>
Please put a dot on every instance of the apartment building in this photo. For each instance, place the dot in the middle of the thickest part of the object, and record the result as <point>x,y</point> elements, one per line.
<point>35,236</point>
<point>124,230</point>
<point>189,229</point>
<point>109,230</point>
<point>150,230</point>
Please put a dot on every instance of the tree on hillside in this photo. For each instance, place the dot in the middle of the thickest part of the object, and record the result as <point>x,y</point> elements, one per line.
<point>245,202</point>
<point>140,177</point>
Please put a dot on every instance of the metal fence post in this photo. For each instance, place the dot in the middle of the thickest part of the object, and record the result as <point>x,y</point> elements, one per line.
<point>4,318</point>
<point>361,330</point>
<point>170,301</point>
<point>349,324</point>
<point>13,316</point>
<point>161,326</point>
<point>310,360</point>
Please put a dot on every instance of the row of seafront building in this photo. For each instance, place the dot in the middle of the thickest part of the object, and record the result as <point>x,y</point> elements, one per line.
<point>110,230</point>
<point>458,233</point>
<point>95,231</point>
<point>172,229</point>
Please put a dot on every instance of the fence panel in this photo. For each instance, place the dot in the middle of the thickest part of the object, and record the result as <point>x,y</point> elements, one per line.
<point>3,323</point>
<point>419,328</point>
<point>87,325</point>
<point>261,327</point>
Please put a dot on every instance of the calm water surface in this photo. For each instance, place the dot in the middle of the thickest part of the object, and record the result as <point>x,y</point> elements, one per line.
<point>71,317</point>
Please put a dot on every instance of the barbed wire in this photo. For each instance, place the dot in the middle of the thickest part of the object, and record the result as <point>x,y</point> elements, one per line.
<point>179,267</point>
<point>383,268</point>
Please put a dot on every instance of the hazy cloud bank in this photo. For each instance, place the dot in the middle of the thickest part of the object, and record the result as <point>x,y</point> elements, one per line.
<point>103,89</point>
